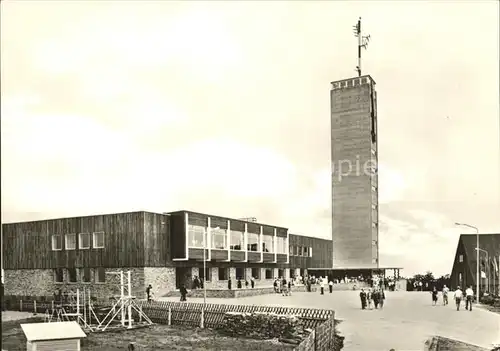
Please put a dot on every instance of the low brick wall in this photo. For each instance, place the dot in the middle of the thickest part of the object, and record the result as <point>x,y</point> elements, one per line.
<point>234,293</point>
<point>322,338</point>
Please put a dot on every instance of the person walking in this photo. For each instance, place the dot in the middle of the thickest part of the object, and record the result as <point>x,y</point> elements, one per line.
<point>469,297</point>
<point>369,297</point>
<point>458,295</point>
<point>322,285</point>
<point>362,296</point>
<point>445,295</point>
<point>252,282</point>
<point>434,293</point>
<point>376,299</point>
<point>330,285</point>
<point>381,298</point>
<point>183,292</point>
<point>149,292</point>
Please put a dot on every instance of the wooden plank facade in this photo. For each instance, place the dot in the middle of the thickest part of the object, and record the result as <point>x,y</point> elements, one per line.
<point>144,239</point>
<point>309,252</point>
<point>28,245</point>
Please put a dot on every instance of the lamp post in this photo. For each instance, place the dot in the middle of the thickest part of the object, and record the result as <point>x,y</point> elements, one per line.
<point>205,234</point>
<point>477,256</point>
<point>488,263</point>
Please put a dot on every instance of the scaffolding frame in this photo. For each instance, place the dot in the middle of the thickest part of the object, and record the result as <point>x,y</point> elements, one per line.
<point>85,317</point>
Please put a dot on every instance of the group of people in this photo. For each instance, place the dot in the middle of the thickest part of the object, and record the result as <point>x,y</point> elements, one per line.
<point>375,296</point>
<point>458,295</point>
<point>282,286</point>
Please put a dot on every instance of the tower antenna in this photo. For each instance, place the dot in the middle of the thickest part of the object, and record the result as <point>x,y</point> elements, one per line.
<point>362,43</point>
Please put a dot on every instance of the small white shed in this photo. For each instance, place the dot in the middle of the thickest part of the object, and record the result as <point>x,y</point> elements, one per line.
<point>56,336</point>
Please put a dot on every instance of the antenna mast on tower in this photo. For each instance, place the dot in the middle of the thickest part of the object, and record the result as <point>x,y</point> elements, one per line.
<point>362,43</point>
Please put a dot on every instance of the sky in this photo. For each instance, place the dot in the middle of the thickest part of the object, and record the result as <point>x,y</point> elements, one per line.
<point>223,108</point>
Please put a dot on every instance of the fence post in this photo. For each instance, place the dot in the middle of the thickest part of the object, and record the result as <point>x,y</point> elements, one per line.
<point>316,348</point>
<point>34,306</point>
<point>20,305</point>
<point>202,320</point>
<point>169,316</point>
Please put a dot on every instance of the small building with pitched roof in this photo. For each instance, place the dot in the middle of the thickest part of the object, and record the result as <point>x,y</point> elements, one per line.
<point>56,336</point>
<point>464,268</point>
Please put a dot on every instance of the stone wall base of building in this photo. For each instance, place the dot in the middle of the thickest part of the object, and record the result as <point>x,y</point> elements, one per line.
<point>41,282</point>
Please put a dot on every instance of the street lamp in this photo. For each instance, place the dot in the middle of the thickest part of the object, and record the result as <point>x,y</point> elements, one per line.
<point>477,256</point>
<point>205,265</point>
<point>488,263</point>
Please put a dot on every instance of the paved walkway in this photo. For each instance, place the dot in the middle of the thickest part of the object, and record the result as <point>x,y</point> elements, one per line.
<point>406,322</point>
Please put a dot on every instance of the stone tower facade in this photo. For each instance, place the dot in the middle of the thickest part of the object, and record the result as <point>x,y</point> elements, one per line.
<point>354,155</point>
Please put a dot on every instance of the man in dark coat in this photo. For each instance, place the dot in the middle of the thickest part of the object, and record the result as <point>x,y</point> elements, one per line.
<point>149,292</point>
<point>196,283</point>
<point>362,296</point>
<point>229,284</point>
<point>183,292</point>
<point>238,283</point>
<point>381,299</point>
<point>376,298</point>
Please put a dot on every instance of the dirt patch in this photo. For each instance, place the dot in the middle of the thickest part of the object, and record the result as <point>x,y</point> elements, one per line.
<point>157,337</point>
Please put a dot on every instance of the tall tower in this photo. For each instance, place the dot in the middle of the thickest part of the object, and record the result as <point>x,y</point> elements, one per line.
<point>354,158</point>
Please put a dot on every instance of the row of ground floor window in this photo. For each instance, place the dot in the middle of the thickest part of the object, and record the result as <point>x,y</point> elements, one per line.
<point>46,282</point>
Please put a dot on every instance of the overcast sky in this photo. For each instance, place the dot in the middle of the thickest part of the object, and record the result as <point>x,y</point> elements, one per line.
<point>223,108</point>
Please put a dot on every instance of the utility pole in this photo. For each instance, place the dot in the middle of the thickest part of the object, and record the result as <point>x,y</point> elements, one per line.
<point>362,43</point>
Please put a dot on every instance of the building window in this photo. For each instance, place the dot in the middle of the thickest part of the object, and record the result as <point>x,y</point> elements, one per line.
<point>70,241</point>
<point>98,240</point>
<point>85,275</point>
<point>281,245</point>
<point>223,273</point>
<point>460,258</point>
<point>195,236</point>
<point>58,275</point>
<point>298,251</point>
<point>305,251</point>
<point>72,275</point>
<point>237,240</point>
<point>310,252</point>
<point>100,275</point>
<point>253,242</point>
<point>240,273</point>
<point>268,243</point>
<point>206,276</point>
<point>269,273</point>
<point>219,238</point>
<point>56,242</point>
<point>256,273</point>
<point>291,250</point>
<point>281,273</point>
<point>84,239</point>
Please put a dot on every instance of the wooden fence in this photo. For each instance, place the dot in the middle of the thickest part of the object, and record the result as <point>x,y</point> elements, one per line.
<point>213,314</point>
<point>322,322</point>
